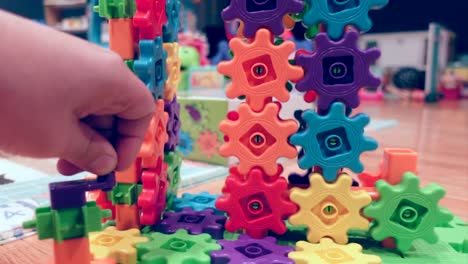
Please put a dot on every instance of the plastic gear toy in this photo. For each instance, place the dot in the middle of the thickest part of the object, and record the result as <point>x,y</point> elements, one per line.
<point>152,200</point>
<point>149,18</point>
<point>208,143</point>
<point>261,14</point>
<point>327,252</point>
<point>177,248</point>
<point>333,141</point>
<point>407,212</point>
<point>257,139</point>
<point>173,63</point>
<point>234,173</point>
<point>198,202</point>
<point>256,205</point>
<point>246,250</point>
<point>172,108</point>
<point>174,163</point>
<point>171,29</point>
<point>260,70</point>
<point>195,222</point>
<point>115,244</point>
<point>337,14</point>
<point>337,70</point>
<point>151,66</point>
<point>330,209</point>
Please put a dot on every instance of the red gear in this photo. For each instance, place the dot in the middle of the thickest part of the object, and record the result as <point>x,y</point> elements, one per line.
<point>152,199</point>
<point>150,17</point>
<point>256,205</point>
<point>234,173</point>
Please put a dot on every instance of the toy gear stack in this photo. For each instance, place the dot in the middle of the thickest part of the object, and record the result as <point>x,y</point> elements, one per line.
<point>325,206</point>
<point>144,33</point>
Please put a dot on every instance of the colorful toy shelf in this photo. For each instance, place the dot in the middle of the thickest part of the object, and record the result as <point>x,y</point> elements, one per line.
<point>262,216</point>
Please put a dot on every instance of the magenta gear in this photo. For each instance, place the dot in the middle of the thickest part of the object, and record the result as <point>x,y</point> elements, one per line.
<point>247,250</point>
<point>256,14</point>
<point>195,222</point>
<point>337,70</point>
<point>173,124</point>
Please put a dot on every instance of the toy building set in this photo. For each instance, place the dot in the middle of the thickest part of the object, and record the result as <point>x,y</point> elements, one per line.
<point>262,216</point>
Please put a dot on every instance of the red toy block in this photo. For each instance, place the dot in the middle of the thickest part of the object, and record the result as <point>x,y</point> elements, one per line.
<point>398,161</point>
<point>131,175</point>
<point>72,251</point>
<point>122,37</point>
<point>150,18</point>
<point>127,217</point>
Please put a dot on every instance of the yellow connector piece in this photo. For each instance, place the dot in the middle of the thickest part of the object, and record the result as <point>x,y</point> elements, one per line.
<point>327,252</point>
<point>330,209</point>
<point>173,70</point>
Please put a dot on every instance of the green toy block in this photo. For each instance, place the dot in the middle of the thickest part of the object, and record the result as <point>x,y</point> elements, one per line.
<point>67,223</point>
<point>230,236</point>
<point>125,193</point>
<point>115,8</point>
<point>177,248</point>
<point>174,162</point>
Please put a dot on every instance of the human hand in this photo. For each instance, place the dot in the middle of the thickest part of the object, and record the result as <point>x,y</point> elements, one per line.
<point>61,97</point>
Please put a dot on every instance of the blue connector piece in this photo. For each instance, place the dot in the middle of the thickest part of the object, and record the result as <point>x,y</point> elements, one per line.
<point>151,66</point>
<point>333,141</point>
<point>337,14</point>
<point>198,202</point>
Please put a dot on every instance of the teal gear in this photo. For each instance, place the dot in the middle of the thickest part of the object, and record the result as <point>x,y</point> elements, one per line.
<point>337,14</point>
<point>333,141</point>
<point>407,212</point>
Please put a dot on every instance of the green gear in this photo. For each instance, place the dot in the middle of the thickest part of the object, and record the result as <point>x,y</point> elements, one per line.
<point>407,212</point>
<point>174,163</point>
<point>177,248</point>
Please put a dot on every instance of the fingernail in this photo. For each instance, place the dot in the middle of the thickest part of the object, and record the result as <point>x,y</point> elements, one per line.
<point>102,165</point>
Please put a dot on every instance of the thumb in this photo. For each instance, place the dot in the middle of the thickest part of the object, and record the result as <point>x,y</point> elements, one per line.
<point>89,150</point>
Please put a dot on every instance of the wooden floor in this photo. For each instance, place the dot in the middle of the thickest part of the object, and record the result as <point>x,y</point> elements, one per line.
<point>439,133</point>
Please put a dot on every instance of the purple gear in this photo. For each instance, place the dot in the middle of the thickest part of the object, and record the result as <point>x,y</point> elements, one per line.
<point>195,222</point>
<point>337,70</point>
<point>256,14</point>
<point>247,250</point>
<point>173,124</point>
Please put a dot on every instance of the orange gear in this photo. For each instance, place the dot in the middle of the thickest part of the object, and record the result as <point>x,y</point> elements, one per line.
<point>155,137</point>
<point>257,139</point>
<point>260,70</point>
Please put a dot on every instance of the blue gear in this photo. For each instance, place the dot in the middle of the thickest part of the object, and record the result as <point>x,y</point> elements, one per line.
<point>151,66</point>
<point>333,141</point>
<point>198,202</point>
<point>337,14</point>
<point>171,29</point>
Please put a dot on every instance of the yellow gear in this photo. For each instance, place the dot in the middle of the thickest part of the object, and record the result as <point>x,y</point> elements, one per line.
<point>329,209</point>
<point>327,252</point>
<point>115,244</point>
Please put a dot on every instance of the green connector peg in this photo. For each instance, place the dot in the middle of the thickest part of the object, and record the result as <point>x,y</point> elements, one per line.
<point>125,193</point>
<point>174,162</point>
<point>177,248</point>
<point>115,8</point>
<point>67,223</point>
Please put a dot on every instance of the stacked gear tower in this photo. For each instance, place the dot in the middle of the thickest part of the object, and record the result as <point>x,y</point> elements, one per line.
<point>144,33</point>
<point>330,138</point>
